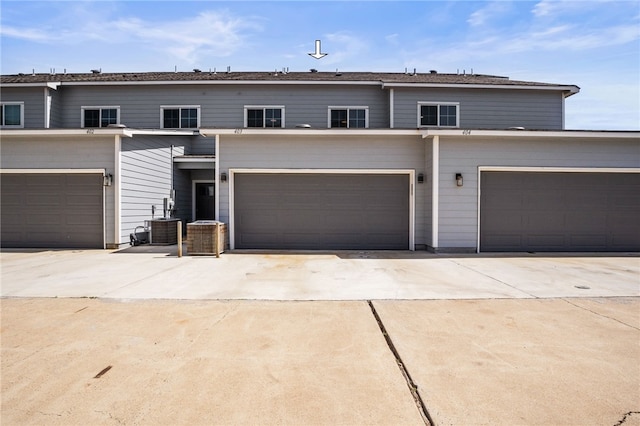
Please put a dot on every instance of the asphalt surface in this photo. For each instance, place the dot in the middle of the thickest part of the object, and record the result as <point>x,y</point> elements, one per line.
<point>98,337</point>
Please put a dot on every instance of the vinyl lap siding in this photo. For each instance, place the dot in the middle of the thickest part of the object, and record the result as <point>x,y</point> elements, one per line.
<point>485,108</point>
<point>458,227</point>
<point>146,166</point>
<point>33,98</point>
<point>91,153</point>
<point>223,106</point>
<point>324,153</point>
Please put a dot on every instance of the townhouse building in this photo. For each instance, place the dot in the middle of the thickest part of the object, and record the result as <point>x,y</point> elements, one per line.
<point>313,160</point>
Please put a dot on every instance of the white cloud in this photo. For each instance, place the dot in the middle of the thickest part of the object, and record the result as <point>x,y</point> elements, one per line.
<point>208,33</point>
<point>491,11</point>
<point>343,47</point>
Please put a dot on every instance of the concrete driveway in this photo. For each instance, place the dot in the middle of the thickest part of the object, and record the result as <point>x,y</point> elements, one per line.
<point>152,272</point>
<point>91,337</point>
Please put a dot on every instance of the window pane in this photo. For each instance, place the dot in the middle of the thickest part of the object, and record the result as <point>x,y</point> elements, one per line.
<point>254,118</point>
<point>189,118</point>
<point>429,115</point>
<point>171,118</point>
<point>448,115</point>
<point>91,118</point>
<point>109,116</point>
<point>357,118</point>
<point>1,115</point>
<point>273,117</point>
<point>338,118</point>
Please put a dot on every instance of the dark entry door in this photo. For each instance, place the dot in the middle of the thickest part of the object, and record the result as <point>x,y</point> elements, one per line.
<point>205,207</point>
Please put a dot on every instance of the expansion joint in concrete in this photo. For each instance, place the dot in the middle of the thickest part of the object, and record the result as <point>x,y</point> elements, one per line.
<point>413,388</point>
<point>601,315</point>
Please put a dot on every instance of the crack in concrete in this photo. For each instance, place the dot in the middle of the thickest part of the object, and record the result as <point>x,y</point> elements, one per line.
<point>413,388</point>
<point>601,315</point>
<point>624,418</point>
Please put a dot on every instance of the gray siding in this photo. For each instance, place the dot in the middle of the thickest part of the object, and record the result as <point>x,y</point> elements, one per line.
<point>146,174</point>
<point>65,153</point>
<point>223,106</point>
<point>56,109</point>
<point>33,98</point>
<point>458,208</point>
<point>317,152</point>
<point>485,108</point>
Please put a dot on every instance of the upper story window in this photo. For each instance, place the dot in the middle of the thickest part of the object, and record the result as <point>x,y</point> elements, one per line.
<point>438,114</point>
<point>12,114</point>
<point>349,117</point>
<point>267,116</point>
<point>180,117</point>
<point>99,116</point>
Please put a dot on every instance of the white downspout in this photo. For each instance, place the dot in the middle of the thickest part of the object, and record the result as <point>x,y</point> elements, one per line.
<point>47,108</point>
<point>435,193</point>
<point>391,109</point>
<point>117,188</point>
<point>217,179</point>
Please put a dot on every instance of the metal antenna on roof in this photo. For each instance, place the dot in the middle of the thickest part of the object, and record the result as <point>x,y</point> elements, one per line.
<point>229,69</point>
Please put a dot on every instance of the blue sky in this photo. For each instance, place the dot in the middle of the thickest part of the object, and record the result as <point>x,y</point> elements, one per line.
<point>593,44</point>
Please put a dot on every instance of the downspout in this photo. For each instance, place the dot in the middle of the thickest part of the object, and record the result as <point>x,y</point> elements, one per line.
<point>391,108</point>
<point>117,188</point>
<point>435,193</point>
<point>216,178</point>
<point>47,108</point>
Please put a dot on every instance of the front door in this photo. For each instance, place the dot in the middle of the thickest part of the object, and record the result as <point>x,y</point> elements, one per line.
<point>205,207</point>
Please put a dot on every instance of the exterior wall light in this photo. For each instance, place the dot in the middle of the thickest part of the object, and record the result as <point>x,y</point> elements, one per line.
<point>223,177</point>
<point>420,177</point>
<point>459,179</point>
<point>107,179</point>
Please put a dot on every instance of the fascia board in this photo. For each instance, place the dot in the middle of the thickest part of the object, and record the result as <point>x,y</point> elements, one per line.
<point>310,132</point>
<point>570,89</point>
<point>216,82</point>
<point>66,132</point>
<point>532,133</point>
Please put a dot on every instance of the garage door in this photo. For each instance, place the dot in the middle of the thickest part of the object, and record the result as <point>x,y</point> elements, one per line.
<point>52,210</point>
<point>321,211</point>
<point>527,211</point>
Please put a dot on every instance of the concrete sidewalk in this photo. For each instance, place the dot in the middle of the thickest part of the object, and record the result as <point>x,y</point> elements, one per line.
<point>149,272</point>
<point>158,362</point>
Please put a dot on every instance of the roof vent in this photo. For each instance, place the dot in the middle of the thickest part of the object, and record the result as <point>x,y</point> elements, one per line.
<point>433,72</point>
<point>229,69</point>
<point>516,128</point>
<point>197,70</point>
<point>303,126</point>
<point>117,126</point>
<point>98,71</point>
<point>338,73</point>
<point>313,70</point>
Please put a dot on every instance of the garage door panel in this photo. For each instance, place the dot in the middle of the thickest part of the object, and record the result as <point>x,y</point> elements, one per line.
<point>51,210</point>
<point>581,211</point>
<point>321,211</point>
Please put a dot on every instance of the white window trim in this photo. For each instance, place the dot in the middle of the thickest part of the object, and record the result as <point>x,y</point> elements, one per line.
<point>366,115</point>
<point>438,104</point>
<point>99,108</point>
<point>179,107</point>
<point>13,126</point>
<point>263,108</point>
